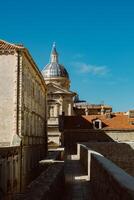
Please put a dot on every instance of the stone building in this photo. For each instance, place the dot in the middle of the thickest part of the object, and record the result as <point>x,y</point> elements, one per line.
<point>23,136</point>
<point>60,98</point>
<point>81,107</point>
<point>109,127</point>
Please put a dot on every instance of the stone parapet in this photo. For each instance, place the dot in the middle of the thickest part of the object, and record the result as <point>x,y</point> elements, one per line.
<point>107,179</point>
<point>119,153</point>
<point>49,185</point>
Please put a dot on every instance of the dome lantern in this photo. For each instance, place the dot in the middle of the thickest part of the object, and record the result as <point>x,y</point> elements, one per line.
<point>54,54</point>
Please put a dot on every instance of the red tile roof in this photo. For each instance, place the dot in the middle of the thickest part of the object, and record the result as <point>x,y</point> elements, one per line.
<point>8,46</point>
<point>116,121</point>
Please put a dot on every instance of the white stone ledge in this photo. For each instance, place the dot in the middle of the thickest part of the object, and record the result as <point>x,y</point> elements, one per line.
<point>124,180</point>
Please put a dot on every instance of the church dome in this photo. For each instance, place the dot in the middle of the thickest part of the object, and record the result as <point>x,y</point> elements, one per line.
<point>54,69</point>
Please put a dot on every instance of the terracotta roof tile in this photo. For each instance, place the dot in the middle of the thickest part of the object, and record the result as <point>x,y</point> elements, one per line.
<point>8,46</point>
<point>117,121</point>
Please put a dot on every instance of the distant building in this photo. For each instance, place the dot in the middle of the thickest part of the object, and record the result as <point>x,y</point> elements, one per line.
<point>81,107</point>
<point>60,98</point>
<point>23,136</point>
<point>109,127</point>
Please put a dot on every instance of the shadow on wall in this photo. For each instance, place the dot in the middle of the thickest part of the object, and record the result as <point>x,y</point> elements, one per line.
<point>77,129</point>
<point>119,153</point>
<point>1,194</point>
<point>76,122</point>
<point>104,173</point>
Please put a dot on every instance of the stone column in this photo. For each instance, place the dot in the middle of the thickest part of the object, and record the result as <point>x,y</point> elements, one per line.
<point>69,109</point>
<point>86,111</point>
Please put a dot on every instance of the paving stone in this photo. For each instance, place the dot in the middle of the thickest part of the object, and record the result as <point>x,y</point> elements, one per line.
<point>77,186</point>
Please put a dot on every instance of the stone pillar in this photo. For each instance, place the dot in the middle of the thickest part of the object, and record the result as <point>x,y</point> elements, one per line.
<point>86,111</point>
<point>57,113</point>
<point>69,109</point>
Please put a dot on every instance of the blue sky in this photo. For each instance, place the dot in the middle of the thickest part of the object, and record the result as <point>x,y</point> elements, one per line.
<point>95,41</point>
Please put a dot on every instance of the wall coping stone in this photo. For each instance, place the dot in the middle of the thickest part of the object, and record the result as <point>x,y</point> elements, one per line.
<point>124,179</point>
<point>46,184</point>
<point>119,174</point>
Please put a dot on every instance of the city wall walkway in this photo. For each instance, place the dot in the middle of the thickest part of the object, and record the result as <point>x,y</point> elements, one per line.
<point>52,184</point>
<point>77,185</point>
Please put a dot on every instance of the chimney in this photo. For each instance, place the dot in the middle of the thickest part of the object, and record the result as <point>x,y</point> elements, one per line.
<point>86,111</point>
<point>108,114</point>
<point>102,110</point>
<point>131,113</point>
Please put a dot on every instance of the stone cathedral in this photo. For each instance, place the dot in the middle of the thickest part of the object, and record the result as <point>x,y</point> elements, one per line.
<point>60,98</point>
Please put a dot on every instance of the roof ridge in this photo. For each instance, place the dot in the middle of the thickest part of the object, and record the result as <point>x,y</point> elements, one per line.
<point>4,44</point>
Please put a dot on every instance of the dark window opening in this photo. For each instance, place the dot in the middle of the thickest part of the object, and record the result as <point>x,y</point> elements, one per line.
<point>97,125</point>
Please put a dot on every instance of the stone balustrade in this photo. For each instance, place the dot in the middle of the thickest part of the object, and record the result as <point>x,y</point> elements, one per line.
<point>53,121</point>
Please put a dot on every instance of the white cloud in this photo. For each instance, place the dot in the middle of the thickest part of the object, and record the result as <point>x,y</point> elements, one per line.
<point>92,69</point>
<point>78,56</point>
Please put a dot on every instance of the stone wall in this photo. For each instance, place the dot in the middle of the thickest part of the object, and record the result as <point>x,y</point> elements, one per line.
<point>33,103</point>
<point>31,155</point>
<point>8,92</point>
<point>9,171</point>
<point>49,185</point>
<point>32,118</point>
<point>22,100</point>
<point>70,137</point>
<point>32,124</point>
<point>121,154</point>
<point>108,181</point>
<point>22,112</point>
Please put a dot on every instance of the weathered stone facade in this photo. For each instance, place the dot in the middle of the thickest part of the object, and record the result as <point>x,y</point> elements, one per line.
<point>22,109</point>
<point>9,171</point>
<point>8,94</point>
